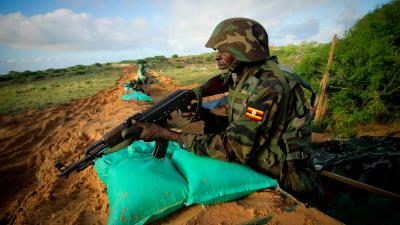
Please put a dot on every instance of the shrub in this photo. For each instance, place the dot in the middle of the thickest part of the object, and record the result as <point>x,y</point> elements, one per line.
<point>364,79</point>
<point>141,61</point>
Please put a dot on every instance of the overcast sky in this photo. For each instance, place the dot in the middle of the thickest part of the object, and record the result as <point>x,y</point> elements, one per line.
<point>42,34</point>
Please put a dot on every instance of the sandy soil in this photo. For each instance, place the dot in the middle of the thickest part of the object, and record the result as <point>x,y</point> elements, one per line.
<point>31,192</point>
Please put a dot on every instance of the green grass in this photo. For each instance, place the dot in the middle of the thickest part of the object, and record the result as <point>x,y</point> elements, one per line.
<point>185,70</point>
<point>191,73</point>
<point>50,91</point>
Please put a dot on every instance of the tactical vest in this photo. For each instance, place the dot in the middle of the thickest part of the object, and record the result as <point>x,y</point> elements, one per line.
<point>291,136</point>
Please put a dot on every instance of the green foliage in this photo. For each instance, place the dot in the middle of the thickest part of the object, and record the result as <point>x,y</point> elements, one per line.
<point>157,58</point>
<point>141,61</point>
<point>313,63</point>
<point>291,55</point>
<point>320,126</point>
<point>174,56</point>
<point>367,65</point>
<point>208,57</point>
<point>368,57</point>
<point>364,83</point>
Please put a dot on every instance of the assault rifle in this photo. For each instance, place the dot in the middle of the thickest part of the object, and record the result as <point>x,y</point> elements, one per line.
<point>127,132</point>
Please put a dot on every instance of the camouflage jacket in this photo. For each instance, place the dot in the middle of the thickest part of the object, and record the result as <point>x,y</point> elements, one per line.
<point>254,111</point>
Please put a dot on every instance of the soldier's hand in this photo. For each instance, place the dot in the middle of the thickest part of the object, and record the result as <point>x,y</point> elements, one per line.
<point>190,110</point>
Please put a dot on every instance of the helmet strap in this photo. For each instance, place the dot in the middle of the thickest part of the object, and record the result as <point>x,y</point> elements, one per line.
<point>237,68</point>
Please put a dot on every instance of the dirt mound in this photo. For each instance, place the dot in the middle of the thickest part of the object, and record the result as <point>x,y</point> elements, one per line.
<point>31,192</point>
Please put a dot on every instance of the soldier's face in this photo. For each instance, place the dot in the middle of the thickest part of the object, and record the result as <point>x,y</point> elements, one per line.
<point>223,60</point>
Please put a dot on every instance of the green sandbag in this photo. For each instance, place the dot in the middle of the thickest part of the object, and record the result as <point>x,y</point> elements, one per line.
<point>103,164</point>
<point>148,147</point>
<point>144,189</point>
<point>137,95</point>
<point>212,181</point>
<point>140,187</point>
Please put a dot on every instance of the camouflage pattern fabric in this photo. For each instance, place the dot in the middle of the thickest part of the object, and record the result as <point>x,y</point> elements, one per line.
<point>373,160</point>
<point>144,77</point>
<point>245,39</point>
<point>142,73</point>
<point>137,85</point>
<point>253,113</point>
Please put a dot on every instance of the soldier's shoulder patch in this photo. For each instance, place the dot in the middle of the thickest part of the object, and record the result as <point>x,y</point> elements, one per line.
<point>254,114</point>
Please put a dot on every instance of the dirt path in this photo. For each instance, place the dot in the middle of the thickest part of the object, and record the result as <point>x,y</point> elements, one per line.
<point>31,192</point>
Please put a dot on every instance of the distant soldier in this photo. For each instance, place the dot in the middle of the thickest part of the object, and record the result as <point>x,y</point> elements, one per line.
<point>142,73</point>
<point>268,122</point>
<point>142,80</point>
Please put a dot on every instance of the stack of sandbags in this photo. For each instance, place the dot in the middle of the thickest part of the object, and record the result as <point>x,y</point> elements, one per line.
<point>142,188</point>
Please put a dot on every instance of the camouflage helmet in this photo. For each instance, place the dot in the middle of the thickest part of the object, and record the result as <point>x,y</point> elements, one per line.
<point>245,39</point>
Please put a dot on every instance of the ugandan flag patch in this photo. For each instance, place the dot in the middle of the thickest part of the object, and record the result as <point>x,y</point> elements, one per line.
<point>254,114</point>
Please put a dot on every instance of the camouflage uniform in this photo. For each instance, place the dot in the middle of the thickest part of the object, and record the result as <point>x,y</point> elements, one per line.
<point>268,129</point>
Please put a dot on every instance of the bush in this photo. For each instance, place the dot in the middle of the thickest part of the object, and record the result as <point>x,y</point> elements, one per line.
<point>368,58</point>
<point>320,126</point>
<point>160,58</point>
<point>141,61</point>
<point>364,79</point>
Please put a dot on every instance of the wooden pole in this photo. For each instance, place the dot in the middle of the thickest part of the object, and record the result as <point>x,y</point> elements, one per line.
<point>322,101</point>
<point>360,185</point>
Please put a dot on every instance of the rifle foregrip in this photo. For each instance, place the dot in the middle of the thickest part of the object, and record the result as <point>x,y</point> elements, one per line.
<point>113,137</point>
<point>132,131</point>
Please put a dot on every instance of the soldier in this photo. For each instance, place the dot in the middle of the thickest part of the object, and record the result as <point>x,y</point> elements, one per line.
<point>268,123</point>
